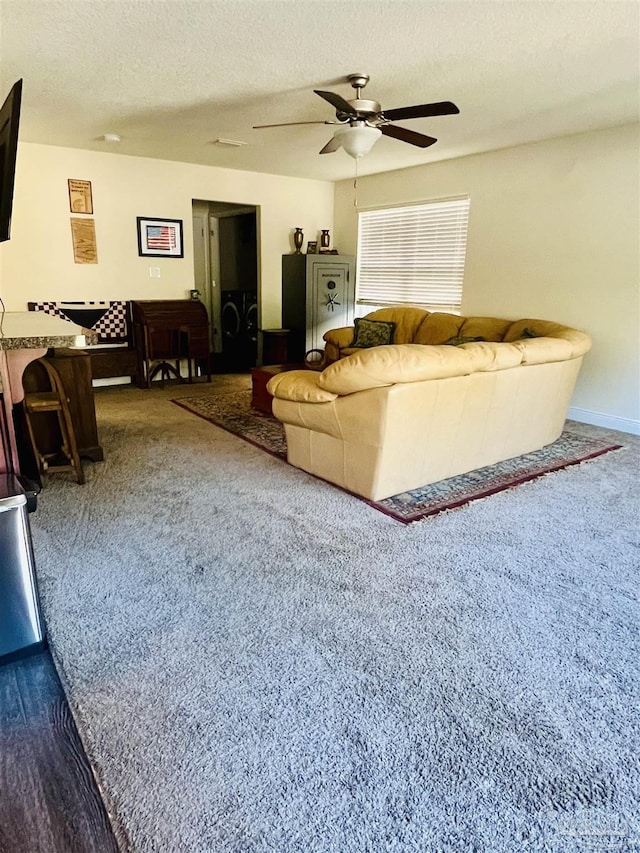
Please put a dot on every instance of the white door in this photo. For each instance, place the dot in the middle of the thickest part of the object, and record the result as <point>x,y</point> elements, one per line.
<point>213,243</point>
<point>203,278</point>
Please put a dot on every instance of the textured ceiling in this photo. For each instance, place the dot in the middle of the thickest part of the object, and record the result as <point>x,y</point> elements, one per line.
<point>171,76</point>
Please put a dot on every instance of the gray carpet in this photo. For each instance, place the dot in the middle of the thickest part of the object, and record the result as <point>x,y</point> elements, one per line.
<point>259,662</point>
<point>233,412</point>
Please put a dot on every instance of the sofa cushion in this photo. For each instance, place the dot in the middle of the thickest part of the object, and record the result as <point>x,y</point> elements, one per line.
<point>380,366</point>
<point>502,356</point>
<point>489,328</point>
<point>458,340</point>
<point>438,328</point>
<point>541,350</point>
<point>407,321</point>
<point>372,333</point>
<point>580,341</point>
<point>534,328</point>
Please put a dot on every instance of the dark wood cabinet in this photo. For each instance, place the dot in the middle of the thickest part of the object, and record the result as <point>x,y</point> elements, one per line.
<point>114,361</point>
<point>275,346</point>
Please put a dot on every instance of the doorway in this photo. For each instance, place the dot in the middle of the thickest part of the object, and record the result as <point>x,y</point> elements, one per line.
<point>225,257</point>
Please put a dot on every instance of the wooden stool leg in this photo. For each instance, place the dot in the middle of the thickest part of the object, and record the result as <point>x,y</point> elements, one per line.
<point>72,450</point>
<point>37,455</point>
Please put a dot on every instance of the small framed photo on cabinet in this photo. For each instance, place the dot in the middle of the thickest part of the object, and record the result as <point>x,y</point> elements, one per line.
<point>312,247</point>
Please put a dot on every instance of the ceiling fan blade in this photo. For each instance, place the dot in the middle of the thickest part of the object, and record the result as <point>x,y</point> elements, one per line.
<point>337,101</point>
<point>332,145</point>
<point>442,108</point>
<point>289,124</point>
<point>406,135</point>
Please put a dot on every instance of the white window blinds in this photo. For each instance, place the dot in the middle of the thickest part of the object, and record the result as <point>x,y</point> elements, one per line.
<point>413,254</point>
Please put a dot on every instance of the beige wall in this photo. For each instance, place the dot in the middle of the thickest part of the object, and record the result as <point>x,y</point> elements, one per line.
<point>37,263</point>
<point>553,233</point>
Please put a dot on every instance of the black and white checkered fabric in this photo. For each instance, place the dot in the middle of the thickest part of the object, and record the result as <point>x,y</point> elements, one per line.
<point>108,319</point>
<point>47,308</point>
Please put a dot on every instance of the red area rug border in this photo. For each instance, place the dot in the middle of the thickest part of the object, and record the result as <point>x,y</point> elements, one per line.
<point>257,444</point>
<point>485,493</point>
<point>422,514</point>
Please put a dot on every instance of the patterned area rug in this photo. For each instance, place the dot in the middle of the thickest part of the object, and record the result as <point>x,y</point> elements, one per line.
<point>232,411</point>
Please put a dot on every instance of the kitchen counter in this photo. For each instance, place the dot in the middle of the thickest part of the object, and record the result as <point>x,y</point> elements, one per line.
<point>36,330</point>
<point>24,337</point>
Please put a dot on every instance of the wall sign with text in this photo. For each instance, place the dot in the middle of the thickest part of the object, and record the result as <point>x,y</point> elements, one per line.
<point>80,198</point>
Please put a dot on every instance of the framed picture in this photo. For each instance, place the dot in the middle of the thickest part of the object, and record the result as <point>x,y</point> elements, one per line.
<point>160,238</point>
<point>80,198</point>
<point>312,247</point>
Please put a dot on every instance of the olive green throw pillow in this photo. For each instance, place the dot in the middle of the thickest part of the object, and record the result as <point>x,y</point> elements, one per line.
<point>372,333</point>
<point>456,341</point>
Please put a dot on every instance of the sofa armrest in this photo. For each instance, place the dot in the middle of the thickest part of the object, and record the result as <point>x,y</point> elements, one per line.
<point>335,341</point>
<point>299,386</point>
<point>340,337</point>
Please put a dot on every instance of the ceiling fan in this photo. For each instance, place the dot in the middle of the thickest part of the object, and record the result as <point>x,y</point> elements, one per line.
<point>362,122</point>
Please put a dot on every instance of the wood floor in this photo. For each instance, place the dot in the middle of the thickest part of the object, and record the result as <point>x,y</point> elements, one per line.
<point>49,802</point>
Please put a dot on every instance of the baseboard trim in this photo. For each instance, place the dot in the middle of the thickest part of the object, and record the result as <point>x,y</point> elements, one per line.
<point>586,416</point>
<point>113,380</point>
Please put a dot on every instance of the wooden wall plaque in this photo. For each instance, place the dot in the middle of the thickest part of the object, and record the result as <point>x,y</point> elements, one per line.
<point>83,233</point>
<point>80,197</point>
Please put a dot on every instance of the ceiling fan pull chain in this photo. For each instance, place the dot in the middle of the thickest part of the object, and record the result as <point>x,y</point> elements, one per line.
<point>355,188</point>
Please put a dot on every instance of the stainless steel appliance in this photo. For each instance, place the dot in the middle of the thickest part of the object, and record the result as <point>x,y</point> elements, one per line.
<point>239,322</point>
<point>21,626</point>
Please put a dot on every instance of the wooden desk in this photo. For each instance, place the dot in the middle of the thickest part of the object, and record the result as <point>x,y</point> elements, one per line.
<point>166,331</point>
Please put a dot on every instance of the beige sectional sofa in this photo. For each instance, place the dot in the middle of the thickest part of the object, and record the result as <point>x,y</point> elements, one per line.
<point>382,420</point>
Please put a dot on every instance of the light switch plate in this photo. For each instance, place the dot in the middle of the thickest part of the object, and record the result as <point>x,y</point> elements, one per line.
<point>154,272</point>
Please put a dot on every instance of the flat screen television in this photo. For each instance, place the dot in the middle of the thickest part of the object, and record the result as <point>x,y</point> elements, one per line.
<point>9,121</point>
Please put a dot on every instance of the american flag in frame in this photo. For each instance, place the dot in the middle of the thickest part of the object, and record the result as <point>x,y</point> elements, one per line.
<point>160,238</point>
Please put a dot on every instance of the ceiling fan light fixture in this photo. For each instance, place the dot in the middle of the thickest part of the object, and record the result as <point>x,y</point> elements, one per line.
<point>357,140</point>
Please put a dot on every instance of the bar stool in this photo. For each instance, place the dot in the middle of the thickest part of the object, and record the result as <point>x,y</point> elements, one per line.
<point>53,400</point>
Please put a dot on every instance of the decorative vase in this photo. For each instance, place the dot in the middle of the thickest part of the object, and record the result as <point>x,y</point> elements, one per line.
<point>325,239</point>
<point>298,237</point>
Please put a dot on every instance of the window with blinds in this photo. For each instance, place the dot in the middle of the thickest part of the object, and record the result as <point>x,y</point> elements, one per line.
<point>413,254</point>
